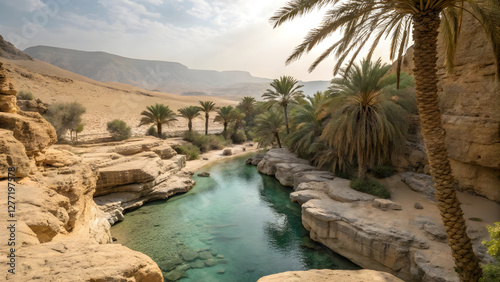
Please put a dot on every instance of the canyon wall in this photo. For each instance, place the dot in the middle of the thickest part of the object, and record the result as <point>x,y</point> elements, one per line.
<point>59,233</point>
<point>470,103</point>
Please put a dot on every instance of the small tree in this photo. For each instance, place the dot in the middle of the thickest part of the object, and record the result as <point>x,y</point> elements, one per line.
<point>119,130</point>
<point>64,116</point>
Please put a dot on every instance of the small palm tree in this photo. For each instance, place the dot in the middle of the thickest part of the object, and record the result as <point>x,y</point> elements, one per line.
<point>207,107</point>
<point>269,125</point>
<point>225,115</point>
<point>360,20</point>
<point>285,91</point>
<point>247,106</point>
<point>158,115</point>
<point>306,126</point>
<point>190,113</point>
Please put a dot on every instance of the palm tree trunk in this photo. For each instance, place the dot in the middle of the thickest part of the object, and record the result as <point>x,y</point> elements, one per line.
<point>158,125</point>
<point>190,125</point>
<point>206,123</point>
<point>425,32</point>
<point>286,120</point>
<point>225,128</point>
<point>277,139</point>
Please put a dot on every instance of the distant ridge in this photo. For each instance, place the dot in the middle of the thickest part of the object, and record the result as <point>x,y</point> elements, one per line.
<point>9,51</point>
<point>171,77</point>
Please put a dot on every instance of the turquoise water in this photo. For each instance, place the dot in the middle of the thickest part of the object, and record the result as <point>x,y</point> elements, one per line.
<point>236,225</point>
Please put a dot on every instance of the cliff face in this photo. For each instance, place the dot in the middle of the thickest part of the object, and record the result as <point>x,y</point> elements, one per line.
<point>60,233</point>
<point>470,103</point>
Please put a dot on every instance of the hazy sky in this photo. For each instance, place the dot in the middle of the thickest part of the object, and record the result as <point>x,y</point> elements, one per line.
<point>201,34</point>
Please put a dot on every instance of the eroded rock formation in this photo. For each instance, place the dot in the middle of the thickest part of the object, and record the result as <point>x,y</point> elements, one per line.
<point>365,229</point>
<point>324,275</point>
<point>470,102</point>
<point>61,234</point>
<point>133,172</point>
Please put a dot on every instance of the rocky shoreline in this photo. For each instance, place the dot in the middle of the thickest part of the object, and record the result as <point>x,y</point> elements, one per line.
<point>364,229</point>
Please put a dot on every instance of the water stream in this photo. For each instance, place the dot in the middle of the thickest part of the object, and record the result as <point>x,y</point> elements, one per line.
<point>236,225</point>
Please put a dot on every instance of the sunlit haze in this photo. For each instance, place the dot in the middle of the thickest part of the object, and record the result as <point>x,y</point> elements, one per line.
<point>201,34</point>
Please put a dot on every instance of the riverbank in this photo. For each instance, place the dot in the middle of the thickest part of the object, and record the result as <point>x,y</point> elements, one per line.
<point>398,236</point>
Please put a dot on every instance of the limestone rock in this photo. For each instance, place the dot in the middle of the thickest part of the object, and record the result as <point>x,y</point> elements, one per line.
<point>325,275</point>
<point>32,106</point>
<point>274,156</point>
<point>7,94</point>
<point>255,159</point>
<point>164,151</point>
<point>384,204</point>
<point>305,195</point>
<point>87,261</point>
<point>421,183</point>
<point>31,129</point>
<point>366,236</point>
<point>470,99</point>
<point>418,206</point>
<point>339,190</point>
<point>12,154</point>
<point>286,171</point>
<point>204,174</point>
<point>309,176</point>
<point>60,158</point>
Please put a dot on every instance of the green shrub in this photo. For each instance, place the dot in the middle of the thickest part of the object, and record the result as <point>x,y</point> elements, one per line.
<point>191,151</point>
<point>152,132</point>
<point>371,187</point>
<point>383,171</point>
<point>206,142</point>
<point>25,95</point>
<point>239,137</point>
<point>119,130</point>
<point>491,272</point>
<point>190,135</point>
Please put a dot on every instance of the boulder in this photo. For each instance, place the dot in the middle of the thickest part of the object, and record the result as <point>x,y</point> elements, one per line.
<point>274,156</point>
<point>60,158</point>
<point>13,155</point>
<point>325,275</point>
<point>204,174</point>
<point>384,204</point>
<point>227,152</point>
<point>7,94</point>
<point>285,172</point>
<point>164,151</point>
<point>421,183</point>
<point>309,176</point>
<point>87,260</point>
<point>31,129</point>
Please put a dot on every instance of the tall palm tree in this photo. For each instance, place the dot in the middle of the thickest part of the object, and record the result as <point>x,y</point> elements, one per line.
<point>225,115</point>
<point>285,91</point>
<point>207,107</point>
<point>247,106</point>
<point>359,21</point>
<point>306,126</point>
<point>190,113</point>
<point>269,125</point>
<point>158,114</point>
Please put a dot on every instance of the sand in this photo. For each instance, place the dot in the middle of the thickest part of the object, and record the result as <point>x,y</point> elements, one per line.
<point>104,101</point>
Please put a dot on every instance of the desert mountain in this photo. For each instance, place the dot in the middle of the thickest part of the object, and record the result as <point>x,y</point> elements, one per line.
<point>161,76</point>
<point>104,101</point>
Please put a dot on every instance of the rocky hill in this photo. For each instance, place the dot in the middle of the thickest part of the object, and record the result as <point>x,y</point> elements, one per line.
<point>162,76</point>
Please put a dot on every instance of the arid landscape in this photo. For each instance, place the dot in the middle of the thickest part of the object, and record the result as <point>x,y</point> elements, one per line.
<point>129,164</point>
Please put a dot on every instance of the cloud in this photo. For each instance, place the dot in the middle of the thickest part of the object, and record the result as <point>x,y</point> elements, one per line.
<point>153,2</point>
<point>26,5</point>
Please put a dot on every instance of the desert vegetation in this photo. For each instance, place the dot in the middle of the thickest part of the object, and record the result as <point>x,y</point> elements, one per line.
<point>64,117</point>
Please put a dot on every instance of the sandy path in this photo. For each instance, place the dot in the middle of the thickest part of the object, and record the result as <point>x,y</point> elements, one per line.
<point>215,155</point>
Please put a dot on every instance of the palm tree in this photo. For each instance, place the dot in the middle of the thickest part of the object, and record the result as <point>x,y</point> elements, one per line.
<point>158,114</point>
<point>247,106</point>
<point>306,126</point>
<point>190,113</point>
<point>207,107</point>
<point>269,125</point>
<point>285,91</point>
<point>359,21</point>
<point>225,115</point>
